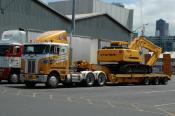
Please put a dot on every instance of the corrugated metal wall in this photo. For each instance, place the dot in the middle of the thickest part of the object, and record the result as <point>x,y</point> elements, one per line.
<point>101,27</point>
<point>64,7</point>
<point>122,15</point>
<point>29,14</point>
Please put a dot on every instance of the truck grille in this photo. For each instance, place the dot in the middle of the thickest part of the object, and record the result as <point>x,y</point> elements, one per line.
<point>31,66</point>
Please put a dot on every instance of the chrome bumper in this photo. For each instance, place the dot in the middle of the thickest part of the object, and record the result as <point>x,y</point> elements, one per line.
<point>32,77</point>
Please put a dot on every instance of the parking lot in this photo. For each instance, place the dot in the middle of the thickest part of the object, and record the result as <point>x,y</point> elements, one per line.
<point>152,100</point>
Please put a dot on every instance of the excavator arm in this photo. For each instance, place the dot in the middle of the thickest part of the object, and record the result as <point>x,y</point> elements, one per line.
<point>142,42</point>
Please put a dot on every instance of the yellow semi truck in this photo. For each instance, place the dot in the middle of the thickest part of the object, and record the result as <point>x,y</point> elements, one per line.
<point>47,61</point>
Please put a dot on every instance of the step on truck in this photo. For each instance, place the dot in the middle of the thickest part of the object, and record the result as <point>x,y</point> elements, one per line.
<point>47,61</point>
<point>11,48</point>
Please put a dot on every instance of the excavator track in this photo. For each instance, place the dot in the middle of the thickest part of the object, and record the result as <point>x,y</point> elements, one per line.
<point>129,68</point>
<point>135,69</point>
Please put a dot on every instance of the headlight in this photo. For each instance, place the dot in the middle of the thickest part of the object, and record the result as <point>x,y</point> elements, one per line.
<point>41,72</point>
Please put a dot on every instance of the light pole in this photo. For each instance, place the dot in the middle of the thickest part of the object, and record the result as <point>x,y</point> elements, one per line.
<point>142,30</point>
<point>72,29</point>
<point>143,26</point>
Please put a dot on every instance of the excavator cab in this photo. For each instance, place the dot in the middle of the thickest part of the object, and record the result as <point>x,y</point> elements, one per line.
<point>119,44</point>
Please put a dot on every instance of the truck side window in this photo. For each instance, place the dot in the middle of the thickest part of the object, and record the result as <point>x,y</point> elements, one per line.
<point>17,49</point>
<point>63,50</point>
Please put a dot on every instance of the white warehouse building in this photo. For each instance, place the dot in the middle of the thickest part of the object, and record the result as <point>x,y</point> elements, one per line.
<point>116,11</point>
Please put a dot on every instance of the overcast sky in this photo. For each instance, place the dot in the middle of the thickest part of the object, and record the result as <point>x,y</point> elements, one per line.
<point>152,10</point>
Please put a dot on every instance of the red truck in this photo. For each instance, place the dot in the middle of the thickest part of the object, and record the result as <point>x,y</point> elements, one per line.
<point>11,48</point>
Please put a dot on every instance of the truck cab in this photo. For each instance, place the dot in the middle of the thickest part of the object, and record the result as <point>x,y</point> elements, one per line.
<point>11,47</point>
<point>41,60</point>
<point>47,61</point>
<point>10,61</point>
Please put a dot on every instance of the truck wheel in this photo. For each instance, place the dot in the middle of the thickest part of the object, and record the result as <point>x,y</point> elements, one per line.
<point>14,78</point>
<point>156,81</point>
<point>52,81</point>
<point>101,79</point>
<point>146,81</point>
<point>30,84</point>
<point>165,81</point>
<point>90,79</point>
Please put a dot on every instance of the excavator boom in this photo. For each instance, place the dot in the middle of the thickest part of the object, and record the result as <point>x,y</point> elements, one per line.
<point>142,42</point>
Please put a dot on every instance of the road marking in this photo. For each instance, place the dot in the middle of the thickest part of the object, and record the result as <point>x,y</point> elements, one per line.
<point>18,93</point>
<point>164,105</point>
<point>165,111</point>
<point>137,108</point>
<point>109,103</point>
<point>34,95</point>
<point>159,91</point>
<point>50,97</point>
<point>89,101</point>
<point>4,91</point>
<point>69,99</point>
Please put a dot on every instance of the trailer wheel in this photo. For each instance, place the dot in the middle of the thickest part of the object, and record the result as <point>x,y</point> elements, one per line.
<point>14,78</point>
<point>146,81</point>
<point>165,81</point>
<point>52,80</point>
<point>90,79</point>
<point>156,81</point>
<point>101,79</point>
<point>30,84</point>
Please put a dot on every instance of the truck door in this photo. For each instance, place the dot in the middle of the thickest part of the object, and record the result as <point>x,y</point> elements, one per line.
<point>15,60</point>
<point>54,56</point>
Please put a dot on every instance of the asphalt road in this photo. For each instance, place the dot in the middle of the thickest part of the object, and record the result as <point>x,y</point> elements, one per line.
<point>152,100</point>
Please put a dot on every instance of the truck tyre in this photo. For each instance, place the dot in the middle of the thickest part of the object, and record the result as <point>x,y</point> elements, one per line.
<point>156,81</point>
<point>90,79</point>
<point>14,78</point>
<point>165,81</point>
<point>52,81</point>
<point>146,81</point>
<point>101,79</point>
<point>30,84</point>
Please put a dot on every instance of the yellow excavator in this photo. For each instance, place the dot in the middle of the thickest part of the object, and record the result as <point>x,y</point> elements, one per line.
<point>123,58</point>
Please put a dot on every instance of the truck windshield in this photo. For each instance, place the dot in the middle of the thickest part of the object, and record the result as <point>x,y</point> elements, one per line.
<point>4,49</point>
<point>36,49</point>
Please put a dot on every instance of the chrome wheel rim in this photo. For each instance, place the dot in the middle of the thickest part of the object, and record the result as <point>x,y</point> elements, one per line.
<point>14,78</point>
<point>53,81</point>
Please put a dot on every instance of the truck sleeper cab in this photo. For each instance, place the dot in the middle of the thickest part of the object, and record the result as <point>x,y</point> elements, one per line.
<point>49,63</point>
<point>44,60</point>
